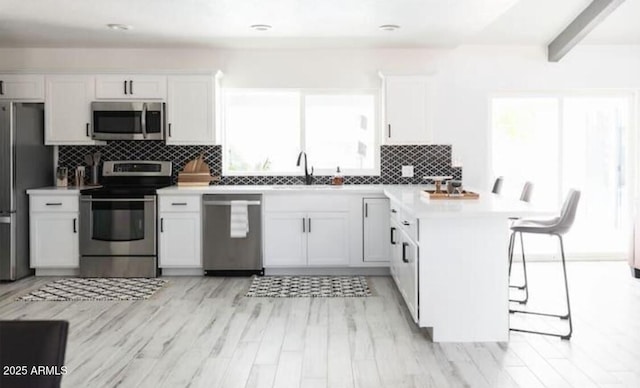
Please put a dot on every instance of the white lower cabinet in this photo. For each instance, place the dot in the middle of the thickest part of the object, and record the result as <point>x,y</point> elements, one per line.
<point>404,266</point>
<point>300,239</point>
<point>327,238</point>
<point>285,239</point>
<point>180,237</point>
<point>53,232</point>
<point>375,229</point>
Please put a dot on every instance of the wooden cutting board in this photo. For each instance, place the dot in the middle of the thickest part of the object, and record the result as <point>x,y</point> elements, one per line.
<point>431,194</point>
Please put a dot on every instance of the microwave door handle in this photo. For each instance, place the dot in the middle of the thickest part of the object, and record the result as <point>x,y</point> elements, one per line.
<point>144,120</point>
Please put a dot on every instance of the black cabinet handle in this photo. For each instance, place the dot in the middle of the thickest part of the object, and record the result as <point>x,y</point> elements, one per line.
<point>178,204</point>
<point>389,129</point>
<point>303,226</point>
<point>404,252</point>
<point>405,223</point>
<point>54,203</point>
<point>87,129</point>
<point>393,236</point>
<point>309,224</point>
<point>125,86</point>
<point>394,211</point>
<point>161,225</point>
<point>169,129</point>
<point>130,87</point>
<point>366,210</point>
<point>75,225</point>
<point>2,88</point>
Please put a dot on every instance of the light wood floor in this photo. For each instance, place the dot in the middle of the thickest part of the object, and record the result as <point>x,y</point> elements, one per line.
<point>202,332</point>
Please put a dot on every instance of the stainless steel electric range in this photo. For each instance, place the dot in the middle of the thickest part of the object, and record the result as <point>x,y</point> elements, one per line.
<point>118,221</point>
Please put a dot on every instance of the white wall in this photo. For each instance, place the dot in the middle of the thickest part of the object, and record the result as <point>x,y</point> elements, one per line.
<point>465,77</point>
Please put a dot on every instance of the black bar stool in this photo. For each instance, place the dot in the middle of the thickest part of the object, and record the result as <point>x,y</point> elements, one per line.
<point>556,226</point>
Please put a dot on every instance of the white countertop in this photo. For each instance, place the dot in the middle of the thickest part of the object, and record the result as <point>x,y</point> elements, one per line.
<point>411,200</point>
<point>54,190</point>
<point>271,189</point>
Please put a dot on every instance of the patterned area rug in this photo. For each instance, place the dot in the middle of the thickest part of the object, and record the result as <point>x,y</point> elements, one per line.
<point>73,289</point>
<point>309,287</point>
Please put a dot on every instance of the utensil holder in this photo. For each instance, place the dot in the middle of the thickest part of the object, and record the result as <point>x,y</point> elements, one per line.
<point>94,174</point>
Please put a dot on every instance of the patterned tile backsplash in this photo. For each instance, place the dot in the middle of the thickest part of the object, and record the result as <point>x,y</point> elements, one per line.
<point>426,159</point>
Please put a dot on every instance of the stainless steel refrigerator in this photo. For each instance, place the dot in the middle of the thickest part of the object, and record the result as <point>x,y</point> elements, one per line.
<point>25,163</point>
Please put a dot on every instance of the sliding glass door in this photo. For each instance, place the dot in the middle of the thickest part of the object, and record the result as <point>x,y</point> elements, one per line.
<point>571,141</point>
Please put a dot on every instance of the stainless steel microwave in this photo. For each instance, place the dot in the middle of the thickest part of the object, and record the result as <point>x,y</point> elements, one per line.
<point>127,120</point>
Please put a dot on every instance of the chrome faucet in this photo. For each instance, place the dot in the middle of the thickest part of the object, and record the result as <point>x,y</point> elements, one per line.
<point>308,177</point>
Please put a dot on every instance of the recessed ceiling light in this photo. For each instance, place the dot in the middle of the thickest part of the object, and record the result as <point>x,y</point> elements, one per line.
<point>261,27</point>
<point>389,27</point>
<point>119,27</point>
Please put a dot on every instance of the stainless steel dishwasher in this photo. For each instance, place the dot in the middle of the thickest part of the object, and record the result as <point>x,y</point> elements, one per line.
<point>222,254</point>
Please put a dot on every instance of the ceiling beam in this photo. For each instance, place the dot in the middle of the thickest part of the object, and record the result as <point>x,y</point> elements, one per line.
<point>588,19</point>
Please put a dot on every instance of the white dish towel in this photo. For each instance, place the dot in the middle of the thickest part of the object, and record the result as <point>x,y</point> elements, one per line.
<point>239,219</point>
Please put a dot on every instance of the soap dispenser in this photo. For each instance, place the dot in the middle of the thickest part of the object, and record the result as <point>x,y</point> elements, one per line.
<point>337,179</point>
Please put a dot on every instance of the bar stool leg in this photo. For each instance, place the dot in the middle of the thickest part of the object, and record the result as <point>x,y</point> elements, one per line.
<point>561,316</point>
<point>524,266</point>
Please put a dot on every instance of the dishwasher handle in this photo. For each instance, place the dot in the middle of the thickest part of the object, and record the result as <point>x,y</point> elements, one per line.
<point>228,203</point>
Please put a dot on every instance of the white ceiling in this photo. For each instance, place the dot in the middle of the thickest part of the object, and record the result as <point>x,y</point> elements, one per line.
<point>299,23</point>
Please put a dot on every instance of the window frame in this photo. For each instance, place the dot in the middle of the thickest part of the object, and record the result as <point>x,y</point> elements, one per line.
<point>632,139</point>
<point>302,94</point>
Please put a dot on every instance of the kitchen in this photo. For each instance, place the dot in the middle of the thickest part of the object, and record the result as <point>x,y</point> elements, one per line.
<point>440,141</point>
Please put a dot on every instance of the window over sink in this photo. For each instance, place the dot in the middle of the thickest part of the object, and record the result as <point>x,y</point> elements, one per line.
<point>265,129</point>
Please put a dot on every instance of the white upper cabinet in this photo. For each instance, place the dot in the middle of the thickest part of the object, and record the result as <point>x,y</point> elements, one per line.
<point>21,87</point>
<point>131,87</point>
<point>407,109</point>
<point>68,109</point>
<point>190,110</point>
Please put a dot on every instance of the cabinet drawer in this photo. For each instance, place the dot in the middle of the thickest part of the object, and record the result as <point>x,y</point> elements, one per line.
<point>395,212</point>
<point>180,203</point>
<point>66,203</point>
<point>410,227</point>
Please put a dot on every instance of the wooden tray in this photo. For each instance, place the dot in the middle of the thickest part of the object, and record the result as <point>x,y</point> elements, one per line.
<point>444,195</point>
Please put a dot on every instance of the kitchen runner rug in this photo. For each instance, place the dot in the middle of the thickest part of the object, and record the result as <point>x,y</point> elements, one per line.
<point>309,287</point>
<point>74,289</point>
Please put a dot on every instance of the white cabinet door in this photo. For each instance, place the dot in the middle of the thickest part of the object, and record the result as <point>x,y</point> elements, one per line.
<point>190,110</point>
<point>395,245</point>
<point>409,275</point>
<point>407,111</point>
<point>285,239</point>
<point>376,229</point>
<point>131,87</point>
<point>21,87</point>
<point>54,240</point>
<point>328,238</point>
<point>68,109</point>
<point>179,240</point>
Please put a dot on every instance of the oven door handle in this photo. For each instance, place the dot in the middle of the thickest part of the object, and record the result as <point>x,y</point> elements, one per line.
<point>117,200</point>
<point>144,120</point>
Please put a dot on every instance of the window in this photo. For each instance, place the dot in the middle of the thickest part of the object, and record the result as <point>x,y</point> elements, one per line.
<point>570,141</point>
<point>264,130</point>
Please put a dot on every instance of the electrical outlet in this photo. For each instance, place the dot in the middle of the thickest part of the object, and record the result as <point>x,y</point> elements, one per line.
<point>407,171</point>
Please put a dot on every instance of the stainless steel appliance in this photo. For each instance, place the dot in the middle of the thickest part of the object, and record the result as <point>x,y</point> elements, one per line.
<point>127,120</point>
<point>226,255</point>
<point>25,163</point>
<point>118,232</point>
